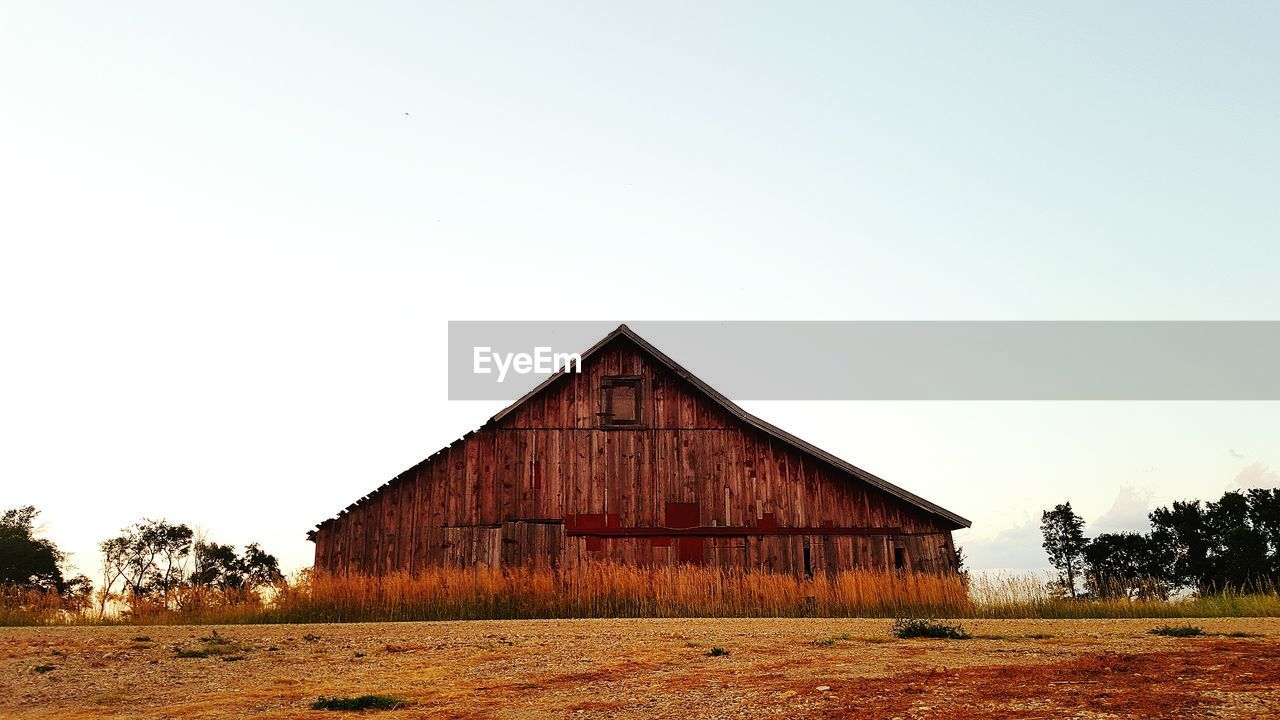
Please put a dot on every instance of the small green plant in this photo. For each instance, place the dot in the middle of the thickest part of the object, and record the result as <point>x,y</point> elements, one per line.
<point>142,638</point>
<point>108,698</point>
<point>309,637</point>
<point>1037,636</point>
<point>232,658</point>
<point>1242,634</point>
<point>362,702</point>
<point>42,669</point>
<point>359,654</point>
<point>1177,630</point>
<point>828,642</point>
<point>916,628</point>
<point>214,645</point>
<point>718,652</point>
<point>215,639</point>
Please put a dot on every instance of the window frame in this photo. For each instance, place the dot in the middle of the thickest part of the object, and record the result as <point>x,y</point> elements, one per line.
<point>901,561</point>
<point>607,383</point>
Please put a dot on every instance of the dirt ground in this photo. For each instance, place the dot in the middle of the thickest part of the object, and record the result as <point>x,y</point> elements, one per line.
<point>585,669</point>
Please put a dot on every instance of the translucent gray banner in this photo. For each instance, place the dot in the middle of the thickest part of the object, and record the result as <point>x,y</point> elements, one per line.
<point>924,360</point>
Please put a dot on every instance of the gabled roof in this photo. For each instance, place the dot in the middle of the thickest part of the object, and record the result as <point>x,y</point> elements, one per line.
<point>746,417</point>
<point>783,436</point>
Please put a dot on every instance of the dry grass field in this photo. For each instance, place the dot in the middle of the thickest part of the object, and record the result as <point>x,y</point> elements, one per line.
<point>660,668</point>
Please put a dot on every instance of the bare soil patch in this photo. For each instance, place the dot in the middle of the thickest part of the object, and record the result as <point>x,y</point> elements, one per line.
<point>663,668</point>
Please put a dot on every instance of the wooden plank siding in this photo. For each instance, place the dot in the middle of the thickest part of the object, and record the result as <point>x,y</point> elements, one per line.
<point>508,493</point>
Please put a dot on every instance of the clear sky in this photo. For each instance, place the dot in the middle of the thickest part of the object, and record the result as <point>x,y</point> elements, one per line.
<point>231,236</point>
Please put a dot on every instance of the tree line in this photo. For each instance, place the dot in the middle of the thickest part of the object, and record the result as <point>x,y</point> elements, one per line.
<point>151,566</point>
<point>1229,544</point>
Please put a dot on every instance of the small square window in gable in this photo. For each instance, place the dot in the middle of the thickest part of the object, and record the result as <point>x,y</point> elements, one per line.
<point>622,400</point>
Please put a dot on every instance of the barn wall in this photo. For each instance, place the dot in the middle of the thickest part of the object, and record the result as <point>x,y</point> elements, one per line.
<point>502,494</point>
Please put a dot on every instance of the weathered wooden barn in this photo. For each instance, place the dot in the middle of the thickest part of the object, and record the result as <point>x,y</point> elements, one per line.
<point>635,460</point>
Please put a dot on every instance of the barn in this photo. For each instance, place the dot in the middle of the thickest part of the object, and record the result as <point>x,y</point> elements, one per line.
<point>635,460</point>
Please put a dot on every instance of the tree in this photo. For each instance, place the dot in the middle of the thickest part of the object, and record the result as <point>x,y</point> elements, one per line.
<point>1231,543</point>
<point>158,566</point>
<point>148,559</point>
<point>172,545</point>
<point>218,566</point>
<point>113,567</point>
<point>29,562</point>
<point>259,567</point>
<point>1264,514</point>
<point>1238,548</point>
<point>214,565</point>
<point>234,578</point>
<point>32,564</point>
<point>26,561</point>
<point>1181,534</point>
<point>1124,564</point>
<point>1064,542</point>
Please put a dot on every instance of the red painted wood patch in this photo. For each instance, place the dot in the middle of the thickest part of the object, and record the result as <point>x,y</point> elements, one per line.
<point>682,515</point>
<point>691,550</point>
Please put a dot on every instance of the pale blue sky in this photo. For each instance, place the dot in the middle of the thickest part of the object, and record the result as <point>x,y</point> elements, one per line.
<point>229,254</point>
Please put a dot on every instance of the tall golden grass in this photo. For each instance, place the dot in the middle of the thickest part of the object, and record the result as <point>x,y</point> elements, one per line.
<point>1029,596</point>
<point>36,607</point>
<point>611,590</point>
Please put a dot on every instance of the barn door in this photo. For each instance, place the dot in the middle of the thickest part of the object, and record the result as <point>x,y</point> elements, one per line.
<point>687,515</point>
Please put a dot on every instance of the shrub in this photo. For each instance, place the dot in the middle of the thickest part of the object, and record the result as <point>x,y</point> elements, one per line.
<point>718,652</point>
<point>1177,630</point>
<point>916,628</point>
<point>362,702</point>
<point>42,669</point>
<point>828,642</point>
<point>214,644</point>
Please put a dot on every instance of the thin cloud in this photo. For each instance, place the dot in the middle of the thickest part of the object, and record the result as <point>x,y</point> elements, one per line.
<point>1256,475</point>
<point>1014,548</point>
<point>1128,513</point>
